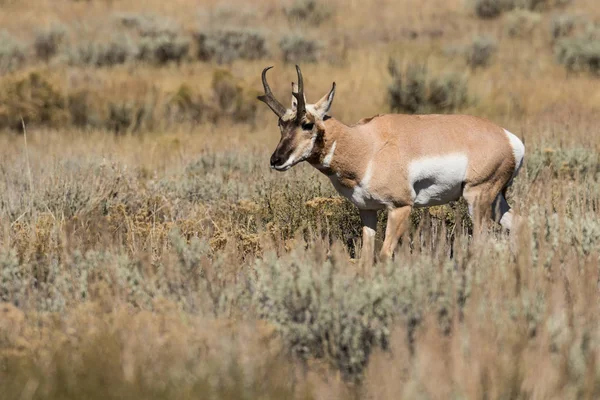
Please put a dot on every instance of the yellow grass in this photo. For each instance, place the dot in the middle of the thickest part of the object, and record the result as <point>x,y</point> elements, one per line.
<point>173,263</point>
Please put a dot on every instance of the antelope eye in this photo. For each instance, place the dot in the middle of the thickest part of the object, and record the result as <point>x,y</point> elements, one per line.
<point>308,126</point>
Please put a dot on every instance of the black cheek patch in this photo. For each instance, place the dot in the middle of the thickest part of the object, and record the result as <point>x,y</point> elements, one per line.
<point>285,147</point>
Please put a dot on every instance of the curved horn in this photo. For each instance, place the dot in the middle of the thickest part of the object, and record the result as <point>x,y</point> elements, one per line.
<point>269,99</point>
<point>301,107</point>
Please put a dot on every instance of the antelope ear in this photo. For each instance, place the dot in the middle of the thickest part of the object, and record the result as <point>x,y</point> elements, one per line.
<point>294,100</point>
<point>322,106</point>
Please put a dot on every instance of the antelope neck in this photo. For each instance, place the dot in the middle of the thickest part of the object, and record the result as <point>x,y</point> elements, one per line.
<point>333,151</point>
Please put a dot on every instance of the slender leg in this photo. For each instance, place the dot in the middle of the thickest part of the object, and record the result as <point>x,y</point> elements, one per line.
<point>397,224</point>
<point>502,213</point>
<point>483,207</point>
<point>369,222</point>
<point>480,206</point>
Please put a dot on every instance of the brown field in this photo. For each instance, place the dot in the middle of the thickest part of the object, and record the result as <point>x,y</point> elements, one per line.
<point>147,251</point>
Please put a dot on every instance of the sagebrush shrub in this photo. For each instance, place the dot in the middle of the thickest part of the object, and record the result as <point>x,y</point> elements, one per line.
<point>12,52</point>
<point>324,315</point>
<point>150,25</point>
<point>480,52</point>
<point>561,26</point>
<point>313,12</point>
<point>521,23</point>
<point>114,50</point>
<point>564,163</point>
<point>488,9</point>
<point>225,46</point>
<point>414,90</point>
<point>299,49</point>
<point>163,49</point>
<point>538,4</point>
<point>129,116</point>
<point>13,282</point>
<point>47,43</point>
<point>579,54</point>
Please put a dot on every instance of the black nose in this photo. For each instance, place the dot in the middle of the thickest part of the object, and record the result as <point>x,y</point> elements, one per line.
<point>275,160</point>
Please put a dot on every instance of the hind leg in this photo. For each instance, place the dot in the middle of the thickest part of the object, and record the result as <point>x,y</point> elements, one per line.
<point>489,202</point>
<point>480,199</point>
<point>503,214</point>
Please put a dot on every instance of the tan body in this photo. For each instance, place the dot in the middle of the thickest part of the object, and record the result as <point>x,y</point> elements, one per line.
<point>397,162</point>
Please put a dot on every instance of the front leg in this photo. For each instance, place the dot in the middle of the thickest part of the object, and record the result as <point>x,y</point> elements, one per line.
<point>369,227</point>
<point>397,224</point>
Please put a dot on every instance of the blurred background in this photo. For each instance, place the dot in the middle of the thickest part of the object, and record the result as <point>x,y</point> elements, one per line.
<point>126,66</point>
<point>147,250</point>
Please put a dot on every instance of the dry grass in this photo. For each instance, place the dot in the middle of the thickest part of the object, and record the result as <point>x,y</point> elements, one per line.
<point>169,262</point>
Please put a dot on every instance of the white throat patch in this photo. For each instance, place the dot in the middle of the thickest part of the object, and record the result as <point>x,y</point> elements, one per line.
<point>329,156</point>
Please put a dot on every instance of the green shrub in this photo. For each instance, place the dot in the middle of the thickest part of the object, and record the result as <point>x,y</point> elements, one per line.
<point>310,11</point>
<point>298,49</point>
<point>48,42</point>
<point>117,49</point>
<point>163,49</point>
<point>12,52</point>
<point>225,46</point>
<point>480,52</point>
<point>521,23</point>
<point>413,90</point>
<point>579,54</point>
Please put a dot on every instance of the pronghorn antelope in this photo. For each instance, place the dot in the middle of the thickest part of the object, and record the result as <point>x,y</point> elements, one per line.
<point>397,162</point>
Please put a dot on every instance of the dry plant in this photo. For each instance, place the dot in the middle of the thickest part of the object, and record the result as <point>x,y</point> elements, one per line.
<point>168,261</point>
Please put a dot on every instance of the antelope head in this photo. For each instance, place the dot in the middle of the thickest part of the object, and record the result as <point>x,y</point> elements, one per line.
<point>300,126</point>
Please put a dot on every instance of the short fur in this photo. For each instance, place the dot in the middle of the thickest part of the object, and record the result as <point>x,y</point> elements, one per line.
<point>397,162</point>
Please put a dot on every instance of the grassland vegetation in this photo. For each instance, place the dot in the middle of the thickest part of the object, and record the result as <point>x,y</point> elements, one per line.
<point>480,52</point>
<point>12,52</point>
<point>226,46</point>
<point>413,89</point>
<point>299,49</point>
<point>147,251</point>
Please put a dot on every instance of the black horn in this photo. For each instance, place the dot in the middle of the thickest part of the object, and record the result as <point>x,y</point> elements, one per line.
<point>269,99</point>
<point>301,107</point>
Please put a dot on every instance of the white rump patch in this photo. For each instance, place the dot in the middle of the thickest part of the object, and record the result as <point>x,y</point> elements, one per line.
<point>329,156</point>
<point>437,180</point>
<point>518,149</point>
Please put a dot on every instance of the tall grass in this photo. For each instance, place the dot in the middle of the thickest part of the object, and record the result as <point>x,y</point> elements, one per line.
<point>148,251</point>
